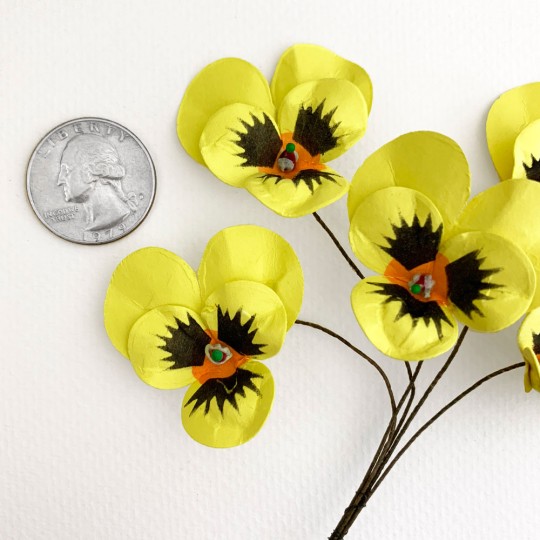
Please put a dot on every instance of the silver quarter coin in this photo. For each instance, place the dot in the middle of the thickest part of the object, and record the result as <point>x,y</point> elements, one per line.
<point>91,181</point>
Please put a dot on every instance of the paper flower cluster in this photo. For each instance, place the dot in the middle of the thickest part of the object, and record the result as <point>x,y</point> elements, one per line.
<point>440,259</point>
<point>275,140</point>
<point>210,329</point>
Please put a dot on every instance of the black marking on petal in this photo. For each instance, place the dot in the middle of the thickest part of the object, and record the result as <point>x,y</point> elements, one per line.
<point>308,176</point>
<point>533,172</point>
<point>186,344</point>
<point>224,390</point>
<point>414,244</point>
<point>315,130</point>
<point>260,142</point>
<point>237,335</point>
<point>466,282</point>
<point>410,306</point>
<point>536,343</point>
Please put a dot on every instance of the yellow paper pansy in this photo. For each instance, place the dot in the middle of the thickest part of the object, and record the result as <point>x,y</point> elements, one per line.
<point>209,330</point>
<point>404,204</point>
<point>275,140</point>
<point>529,344</point>
<point>513,133</point>
<point>428,284</point>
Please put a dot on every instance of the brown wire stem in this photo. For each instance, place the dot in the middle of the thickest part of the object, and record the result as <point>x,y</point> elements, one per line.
<point>391,430</point>
<point>358,352</point>
<point>338,245</point>
<point>412,377</point>
<point>428,391</point>
<point>438,415</point>
<point>363,495</point>
<point>380,454</point>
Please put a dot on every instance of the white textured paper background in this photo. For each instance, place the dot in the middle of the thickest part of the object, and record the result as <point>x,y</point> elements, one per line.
<point>87,451</point>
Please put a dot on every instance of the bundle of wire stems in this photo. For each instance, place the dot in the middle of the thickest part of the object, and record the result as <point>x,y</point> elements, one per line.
<point>403,411</point>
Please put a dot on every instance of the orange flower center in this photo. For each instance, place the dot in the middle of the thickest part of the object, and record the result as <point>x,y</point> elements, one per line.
<point>290,161</point>
<point>220,360</point>
<point>426,282</point>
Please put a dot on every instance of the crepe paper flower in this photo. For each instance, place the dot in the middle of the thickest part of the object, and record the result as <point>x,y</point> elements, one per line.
<point>509,209</point>
<point>209,330</point>
<point>426,161</point>
<point>275,140</point>
<point>411,311</point>
<point>529,344</point>
<point>513,133</point>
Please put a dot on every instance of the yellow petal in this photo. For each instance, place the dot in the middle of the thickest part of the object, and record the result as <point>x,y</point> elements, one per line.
<point>512,112</point>
<point>228,412</point>
<point>529,345</point>
<point>145,279</point>
<point>237,140</point>
<point>165,343</point>
<point>490,280</point>
<point>509,209</point>
<point>428,162</point>
<point>302,63</point>
<point>305,194</point>
<point>529,327</point>
<point>531,376</point>
<point>224,82</point>
<point>326,116</point>
<point>399,325</point>
<point>248,316</point>
<point>395,223</point>
<point>251,253</point>
<point>527,153</point>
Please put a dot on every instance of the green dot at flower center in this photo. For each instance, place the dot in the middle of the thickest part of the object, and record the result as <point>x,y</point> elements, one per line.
<point>290,147</point>
<point>416,288</point>
<point>216,355</point>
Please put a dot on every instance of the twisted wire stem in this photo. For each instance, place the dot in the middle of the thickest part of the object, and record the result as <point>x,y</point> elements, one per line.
<point>386,465</point>
<point>381,465</point>
<point>361,497</point>
<point>439,414</point>
<point>384,446</point>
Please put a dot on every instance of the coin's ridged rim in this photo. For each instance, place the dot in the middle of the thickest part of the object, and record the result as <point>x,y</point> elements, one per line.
<point>91,119</point>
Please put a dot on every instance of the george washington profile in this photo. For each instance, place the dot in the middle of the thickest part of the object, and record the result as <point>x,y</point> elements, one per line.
<point>91,173</point>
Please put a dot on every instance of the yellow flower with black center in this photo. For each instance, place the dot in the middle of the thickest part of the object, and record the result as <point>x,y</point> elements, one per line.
<point>209,330</point>
<point>275,140</point>
<point>529,344</point>
<point>431,277</point>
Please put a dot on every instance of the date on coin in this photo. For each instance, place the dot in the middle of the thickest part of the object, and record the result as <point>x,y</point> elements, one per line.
<point>91,181</point>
